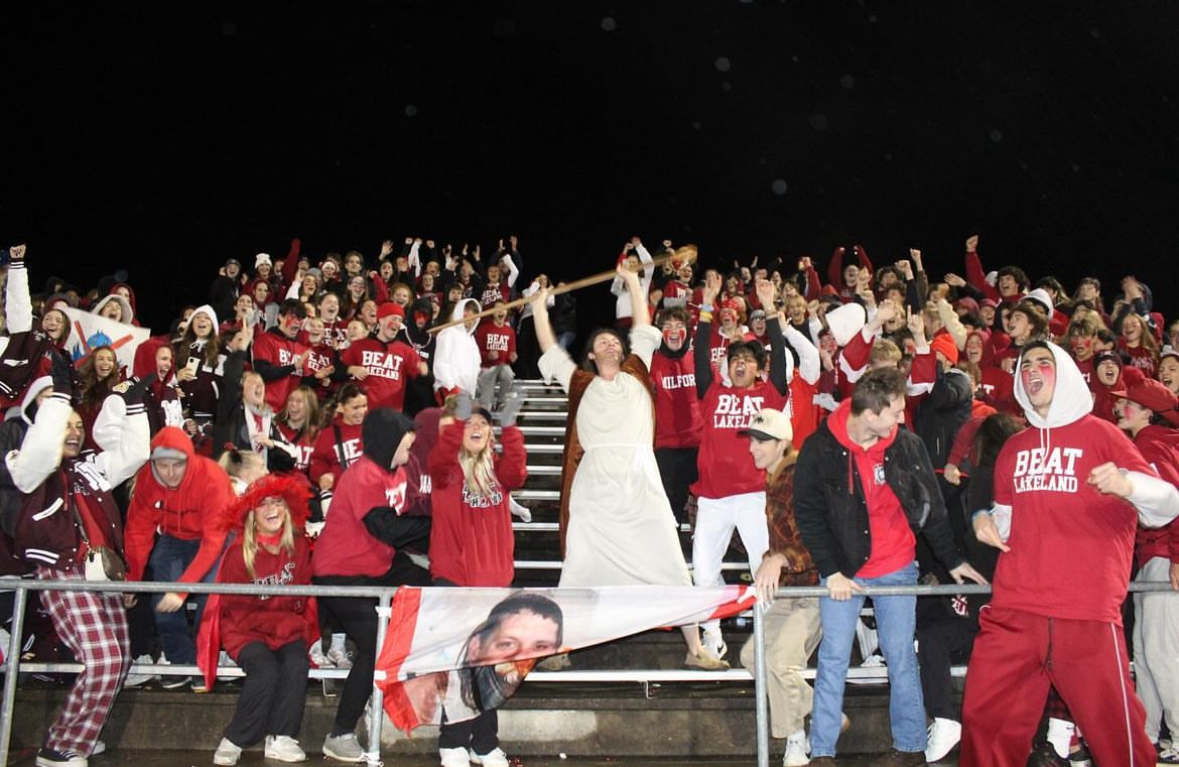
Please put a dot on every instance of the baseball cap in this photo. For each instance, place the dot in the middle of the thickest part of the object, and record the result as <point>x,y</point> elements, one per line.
<point>769,424</point>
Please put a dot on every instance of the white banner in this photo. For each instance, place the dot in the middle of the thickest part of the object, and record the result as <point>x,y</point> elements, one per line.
<point>89,331</point>
<point>467,650</point>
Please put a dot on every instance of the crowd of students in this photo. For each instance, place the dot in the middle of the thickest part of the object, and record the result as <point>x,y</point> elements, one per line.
<point>310,423</point>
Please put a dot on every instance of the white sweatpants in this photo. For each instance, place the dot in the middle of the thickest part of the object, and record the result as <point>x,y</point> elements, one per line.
<point>716,518</point>
<point>1156,649</point>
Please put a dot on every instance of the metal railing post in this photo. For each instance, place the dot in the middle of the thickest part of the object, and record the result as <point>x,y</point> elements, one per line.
<point>759,685</point>
<point>12,659</point>
<point>376,714</point>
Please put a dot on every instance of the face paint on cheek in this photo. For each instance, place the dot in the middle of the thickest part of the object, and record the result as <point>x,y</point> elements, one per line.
<point>672,336</point>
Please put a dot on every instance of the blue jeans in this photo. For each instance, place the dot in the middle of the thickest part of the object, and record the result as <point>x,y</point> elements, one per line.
<point>169,558</point>
<point>896,623</point>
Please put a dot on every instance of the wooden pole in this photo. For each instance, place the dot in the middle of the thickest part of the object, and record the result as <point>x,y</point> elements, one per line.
<point>687,253</point>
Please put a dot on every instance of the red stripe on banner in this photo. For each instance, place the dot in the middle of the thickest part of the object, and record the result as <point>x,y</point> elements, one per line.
<point>744,602</point>
<point>403,623</point>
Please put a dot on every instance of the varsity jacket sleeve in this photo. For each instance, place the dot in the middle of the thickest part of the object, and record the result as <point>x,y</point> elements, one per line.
<point>40,453</point>
<point>121,431</point>
<point>809,365</point>
<point>18,309</point>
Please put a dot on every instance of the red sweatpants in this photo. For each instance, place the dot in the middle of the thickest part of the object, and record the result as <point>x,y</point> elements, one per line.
<point>1017,656</point>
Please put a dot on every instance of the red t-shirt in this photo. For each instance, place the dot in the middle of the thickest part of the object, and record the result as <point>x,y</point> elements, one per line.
<point>893,543</point>
<point>1071,546</point>
<point>677,409</point>
<point>389,366</point>
<point>499,340</point>
<point>332,456</point>
<point>724,463</point>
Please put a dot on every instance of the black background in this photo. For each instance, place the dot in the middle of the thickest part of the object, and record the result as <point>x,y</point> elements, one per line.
<point>165,137</point>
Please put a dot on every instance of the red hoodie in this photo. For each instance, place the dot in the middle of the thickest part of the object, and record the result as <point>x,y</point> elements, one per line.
<point>272,620</point>
<point>893,542</point>
<point>189,512</point>
<point>471,540</point>
<point>1159,445</point>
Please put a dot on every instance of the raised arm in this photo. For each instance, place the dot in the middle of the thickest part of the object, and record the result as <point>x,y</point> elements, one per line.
<point>778,377</point>
<point>638,295</point>
<point>18,308</point>
<point>702,351</point>
<point>540,319</point>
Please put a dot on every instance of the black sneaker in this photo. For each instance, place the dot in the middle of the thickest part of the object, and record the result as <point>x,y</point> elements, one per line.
<point>175,682</point>
<point>47,757</point>
<point>1044,755</point>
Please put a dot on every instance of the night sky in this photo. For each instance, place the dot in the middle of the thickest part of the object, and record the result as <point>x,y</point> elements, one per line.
<point>165,137</point>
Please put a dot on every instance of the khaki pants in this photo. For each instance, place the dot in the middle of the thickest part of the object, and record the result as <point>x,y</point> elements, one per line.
<point>793,631</point>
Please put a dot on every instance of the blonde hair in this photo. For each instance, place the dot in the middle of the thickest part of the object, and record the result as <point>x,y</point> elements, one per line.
<point>479,468</point>
<point>250,539</point>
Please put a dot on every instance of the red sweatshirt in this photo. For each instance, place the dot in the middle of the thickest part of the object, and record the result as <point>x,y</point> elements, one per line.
<point>279,351</point>
<point>1070,545</point>
<point>471,540</point>
<point>1159,446</point>
<point>389,367</point>
<point>724,462</point>
<point>677,410</point>
<point>497,343</point>
<point>345,547</point>
<point>332,456</point>
<point>275,621</point>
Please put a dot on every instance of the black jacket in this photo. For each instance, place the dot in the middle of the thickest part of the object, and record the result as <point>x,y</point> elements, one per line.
<point>832,513</point>
<point>942,412</point>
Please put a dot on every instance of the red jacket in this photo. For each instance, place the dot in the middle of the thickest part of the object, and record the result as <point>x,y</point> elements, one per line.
<point>190,512</point>
<point>471,540</point>
<point>1159,445</point>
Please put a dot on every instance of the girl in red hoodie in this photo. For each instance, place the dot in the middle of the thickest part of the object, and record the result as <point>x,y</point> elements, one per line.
<point>268,636</point>
<point>471,542</point>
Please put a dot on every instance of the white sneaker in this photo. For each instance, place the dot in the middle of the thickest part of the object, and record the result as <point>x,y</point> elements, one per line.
<point>316,656</point>
<point>454,757</point>
<point>224,661</point>
<point>943,735</point>
<point>339,658</point>
<point>226,754</point>
<point>493,758</point>
<point>796,751</point>
<point>343,748</point>
<point>714,643</point>
<point>133,679</point>
<point>283,748</point>
<point>874,661</point>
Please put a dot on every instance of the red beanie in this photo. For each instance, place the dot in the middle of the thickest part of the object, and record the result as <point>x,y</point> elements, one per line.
<point>944,343</point>
<point>390,309</point>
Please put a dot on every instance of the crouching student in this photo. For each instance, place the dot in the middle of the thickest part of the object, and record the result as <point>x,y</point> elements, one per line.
<point>267,636</point>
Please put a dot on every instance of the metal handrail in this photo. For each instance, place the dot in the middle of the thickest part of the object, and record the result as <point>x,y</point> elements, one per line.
<point>22,586</point>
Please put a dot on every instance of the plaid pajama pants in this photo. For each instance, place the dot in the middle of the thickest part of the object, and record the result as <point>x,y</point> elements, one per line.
<point>94,627</point>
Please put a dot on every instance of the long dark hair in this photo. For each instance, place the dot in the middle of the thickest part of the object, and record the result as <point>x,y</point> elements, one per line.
<point>991,435</point>
<point>587,364</point>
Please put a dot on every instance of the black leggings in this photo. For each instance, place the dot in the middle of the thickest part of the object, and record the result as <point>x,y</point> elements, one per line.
<point>272,698</point>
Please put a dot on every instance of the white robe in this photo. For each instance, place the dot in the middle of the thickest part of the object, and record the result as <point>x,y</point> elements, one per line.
<point>621,529</point>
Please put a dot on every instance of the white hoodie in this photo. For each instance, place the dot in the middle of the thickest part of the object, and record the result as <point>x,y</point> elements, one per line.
<point>456,356</point>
